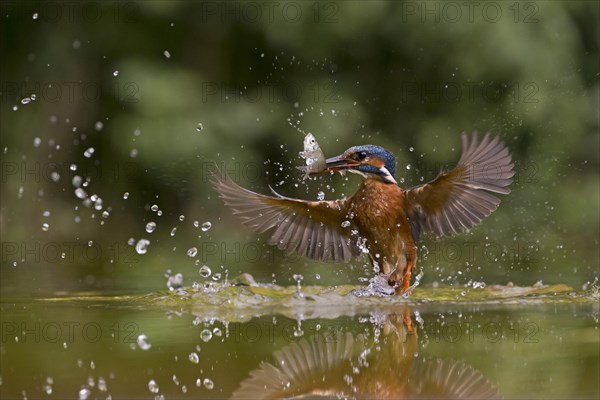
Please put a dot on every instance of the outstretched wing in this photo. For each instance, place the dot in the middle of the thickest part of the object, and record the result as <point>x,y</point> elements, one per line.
<point>458,200</point>
<point>318,229</point>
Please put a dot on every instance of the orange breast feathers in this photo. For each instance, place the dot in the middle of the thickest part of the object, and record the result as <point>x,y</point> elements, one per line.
<point>380,213</point>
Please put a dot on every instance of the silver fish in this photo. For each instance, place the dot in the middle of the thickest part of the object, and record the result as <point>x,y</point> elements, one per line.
<point>315,159</point>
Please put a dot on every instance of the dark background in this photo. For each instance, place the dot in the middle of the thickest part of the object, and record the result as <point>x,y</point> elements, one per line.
<point>133,80</point>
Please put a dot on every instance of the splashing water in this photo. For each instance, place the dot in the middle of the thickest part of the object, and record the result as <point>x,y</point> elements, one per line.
<point>153,386</point>
<point>206,335</point>
<point>142,245</point>
<point>192,251</point>
<point>175,282</point>
<point>204,271</point>
<point>142,342</point>
<point>193,357</point>
<point>150,227</point>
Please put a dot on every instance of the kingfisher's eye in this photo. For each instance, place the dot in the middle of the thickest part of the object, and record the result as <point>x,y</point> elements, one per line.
<point>362,155</point>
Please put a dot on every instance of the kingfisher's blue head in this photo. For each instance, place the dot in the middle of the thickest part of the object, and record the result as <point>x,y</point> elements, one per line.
<point>368,160</point>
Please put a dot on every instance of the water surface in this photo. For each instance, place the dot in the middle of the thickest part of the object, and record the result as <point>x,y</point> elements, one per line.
<point>272,342</point>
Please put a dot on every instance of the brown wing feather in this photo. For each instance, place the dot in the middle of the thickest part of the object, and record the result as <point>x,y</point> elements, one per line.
<point>311,228</point>
<point>458,200</point>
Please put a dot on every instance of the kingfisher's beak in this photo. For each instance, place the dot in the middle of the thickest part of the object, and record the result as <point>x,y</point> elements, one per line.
<point>339,163</point>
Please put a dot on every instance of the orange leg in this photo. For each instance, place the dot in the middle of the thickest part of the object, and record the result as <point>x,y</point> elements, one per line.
<point>408,321</point>
<point>411,261</point>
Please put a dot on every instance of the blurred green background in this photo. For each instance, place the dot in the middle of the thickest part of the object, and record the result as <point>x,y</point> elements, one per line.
<point>165,92</point>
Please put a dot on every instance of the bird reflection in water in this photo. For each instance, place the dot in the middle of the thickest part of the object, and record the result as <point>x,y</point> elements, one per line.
<point>384,366</point>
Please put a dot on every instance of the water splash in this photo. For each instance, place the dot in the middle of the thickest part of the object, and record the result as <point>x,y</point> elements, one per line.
<point>204,271</point>
<point>142,342</point>
<point>378,286</point>
<point>141,246</point>
<point>194,358</point>
<point>150,227</point>
<point>153,386</point>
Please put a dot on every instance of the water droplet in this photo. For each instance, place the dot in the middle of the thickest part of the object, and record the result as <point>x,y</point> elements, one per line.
<point>80,193</point>
<point>88,153</point>
<point>45,227</point>
<point>208,384</point>
<point>36,142</point>
<point>345,224</point>
<point>153,386</point>
<point>46,213</point>
<point>206,226</point>
<point>102,384</point>
<point>154,207</point>
<point>181,217</point>
<point>173,231</point>
<point>125,195</point>
<point>320,196</point>
<point>150,227</point>
<point>133,153</point>
<point>116,73</point>
<point>105,214</point>
<point>141,246</point>
<point>192,252</point>
<point>411,149</point>
<point>167,54</point>
<point>193,357</point>
<point>204,271</point>
<point>25,100</point>
<point>199,127</point>
<point>175,281</point>
<point>206,335</point>
<point>142,342</point>
<point>35,16</point>
<point>76,181</point>
<point>216,276</point>
<point>84,393</point>
<point>73,167</point>
<point>55,176</point>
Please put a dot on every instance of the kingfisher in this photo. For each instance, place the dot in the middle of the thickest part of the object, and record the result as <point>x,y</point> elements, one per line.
<point>381,220</point>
